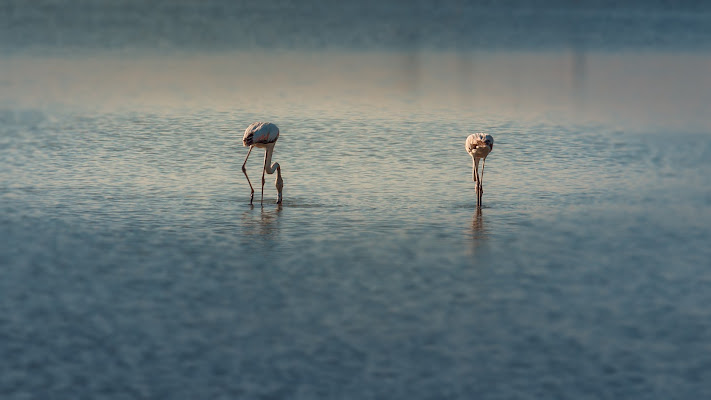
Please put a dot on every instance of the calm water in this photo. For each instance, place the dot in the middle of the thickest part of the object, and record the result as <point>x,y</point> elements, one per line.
<point>133,266</point>
<point>219,25</point>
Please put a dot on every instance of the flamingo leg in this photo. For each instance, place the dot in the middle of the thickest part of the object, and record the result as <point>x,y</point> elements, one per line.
<point>477,180</point>
<point>244,169</point>
<point>481,180</point>
<point>478,194</point>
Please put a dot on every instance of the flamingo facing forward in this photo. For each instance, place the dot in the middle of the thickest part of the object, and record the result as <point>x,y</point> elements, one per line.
<point>264,135</point>
<point>479,145</point>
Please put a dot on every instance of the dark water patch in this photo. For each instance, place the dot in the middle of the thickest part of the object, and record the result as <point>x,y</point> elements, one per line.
<point>220,25</point>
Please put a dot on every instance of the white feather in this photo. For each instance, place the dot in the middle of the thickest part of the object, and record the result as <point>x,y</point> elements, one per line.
<point>260,133</point>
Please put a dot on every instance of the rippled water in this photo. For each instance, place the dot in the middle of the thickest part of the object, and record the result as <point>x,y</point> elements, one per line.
<point>133,265</point>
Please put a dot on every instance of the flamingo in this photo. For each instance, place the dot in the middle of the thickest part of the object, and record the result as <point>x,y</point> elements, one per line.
<point>479,145</point>
<point>264,135</point>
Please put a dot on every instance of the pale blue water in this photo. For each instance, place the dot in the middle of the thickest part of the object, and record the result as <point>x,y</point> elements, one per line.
<point>133,267</point>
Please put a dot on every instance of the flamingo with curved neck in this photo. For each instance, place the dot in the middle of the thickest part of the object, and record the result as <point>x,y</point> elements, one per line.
<point>263,135</point>
<point>479,145</point>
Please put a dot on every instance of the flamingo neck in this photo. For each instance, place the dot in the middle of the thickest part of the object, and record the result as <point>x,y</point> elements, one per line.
<point>268,166</point>
<point>272,168</point>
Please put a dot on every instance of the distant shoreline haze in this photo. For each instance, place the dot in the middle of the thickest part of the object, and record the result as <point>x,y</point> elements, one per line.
<point>218,25</point>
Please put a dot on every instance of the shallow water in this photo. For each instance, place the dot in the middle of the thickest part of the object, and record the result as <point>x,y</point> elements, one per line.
<point>133,265</point>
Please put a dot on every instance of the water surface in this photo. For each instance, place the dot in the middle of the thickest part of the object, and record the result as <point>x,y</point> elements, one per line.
<point>133,266</point>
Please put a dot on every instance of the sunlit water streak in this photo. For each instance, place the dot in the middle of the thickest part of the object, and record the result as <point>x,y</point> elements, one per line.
<point>133,265</point>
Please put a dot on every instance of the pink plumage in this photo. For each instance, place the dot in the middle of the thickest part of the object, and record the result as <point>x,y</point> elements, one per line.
<point>479,144</point>
<point>260,133</point>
